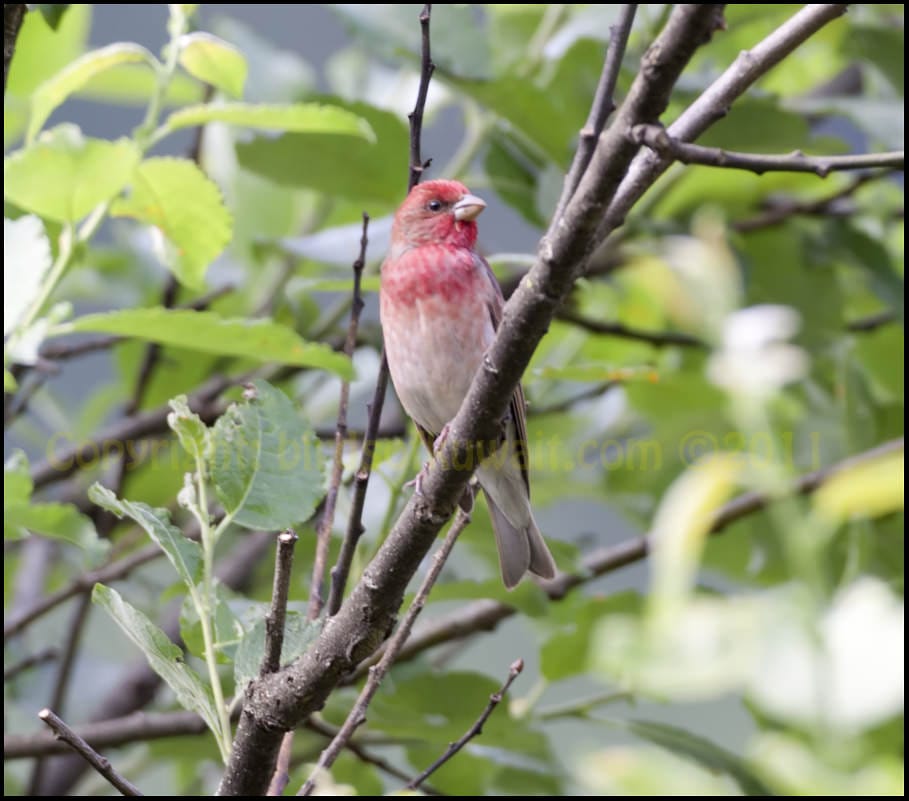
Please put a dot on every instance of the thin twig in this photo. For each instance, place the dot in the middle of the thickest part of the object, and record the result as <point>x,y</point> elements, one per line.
<point>328,516</point>
<point>658,140</point>
<point>30,661</point>
<point>274,621</point>
<point>357,714</point>
<point>603,105</point>
<point>658,338</point>
<point>872,322</point>
<point>281,777</point>
<point>99,763</point>
<point>474,731</point>
<point>341,571</point>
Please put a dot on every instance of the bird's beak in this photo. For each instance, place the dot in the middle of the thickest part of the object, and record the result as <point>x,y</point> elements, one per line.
<point>468,208</point>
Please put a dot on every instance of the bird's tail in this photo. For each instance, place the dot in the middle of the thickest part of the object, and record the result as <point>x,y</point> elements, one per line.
<point>521,548</point>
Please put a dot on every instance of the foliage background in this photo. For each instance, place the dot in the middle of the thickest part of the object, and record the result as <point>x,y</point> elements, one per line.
<point>799,600</point>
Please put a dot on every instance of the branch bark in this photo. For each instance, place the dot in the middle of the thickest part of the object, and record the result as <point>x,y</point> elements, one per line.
<point>280,701</point>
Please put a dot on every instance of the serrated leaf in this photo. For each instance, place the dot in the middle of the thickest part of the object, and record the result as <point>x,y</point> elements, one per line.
<point>208,332</point>
<point>165,658</point>
<point>64,175</point>
<point>55,90</point>
<point>184,554</point>
<point>266,465</point>
<point>26,260</point>
<point>214,61</point>
<point>299,633</point>
<point>297,118</point>
<point>868,489</point>
<point>188,426</point>
<point>692,746</point>
<point>178,198</point>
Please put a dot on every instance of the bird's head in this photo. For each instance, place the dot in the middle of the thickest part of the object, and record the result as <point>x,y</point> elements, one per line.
<point>438,212</point>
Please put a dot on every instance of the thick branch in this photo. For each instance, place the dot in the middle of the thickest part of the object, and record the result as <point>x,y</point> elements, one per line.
<point>278,702</point>
<point>98,762</point>
<point>659,141</point>
<point>377,672</point>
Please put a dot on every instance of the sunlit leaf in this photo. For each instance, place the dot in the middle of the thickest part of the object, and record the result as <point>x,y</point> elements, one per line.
<point>214,61</point>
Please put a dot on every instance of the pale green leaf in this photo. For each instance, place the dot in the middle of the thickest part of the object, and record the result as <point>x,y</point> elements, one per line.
<point>165,658</point>
<point>17,480</point>
<point>297,118</point>
<point>59,521</point>
<point>266,465</point>
<point>9,381</point>
<point>869,489</point>
<point>179,199</point>
<point>208,332</point>
<point>55,90</point>
<point>26,260</point>
<point>189,428</point>
<point>226,629</point>
<point>213,61</point>
<point>63,175</point>
<point>299,633</point>
<point>184,554</point>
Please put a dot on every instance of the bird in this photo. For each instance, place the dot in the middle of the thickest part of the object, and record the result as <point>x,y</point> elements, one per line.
<point>440,305</point>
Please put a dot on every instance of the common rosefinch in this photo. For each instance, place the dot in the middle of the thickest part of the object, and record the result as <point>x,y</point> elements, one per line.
<point>440,306</point>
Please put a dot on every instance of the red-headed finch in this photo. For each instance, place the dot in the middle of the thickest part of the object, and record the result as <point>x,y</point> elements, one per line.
<point>440,306</point>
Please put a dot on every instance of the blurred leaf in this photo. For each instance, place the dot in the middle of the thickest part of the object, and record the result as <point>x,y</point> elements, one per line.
<point>17,480</point>
<point>133,85</point>
<point>682,524</point>
<point>64,175</point>
<point>692,746</point>
<point>314,118</point>
<point>178,198</point>
<point>9,381</point>
<point>213,61</point>
<point>26,260</point>
<point>759,126</point>
<point>514,171</point>
<point>54,91</point>
<point>165,658</point>
<point>871,256</point>
<point>184,554</point>
<point>225,627</point>
<point>526,597</point>
<point>42,50</point>
<point>354,168</point>
<point>266,465</point>
<point>59,521</point>
<point>261,340</point>
<point>868,489</point>
<point>883,47</point>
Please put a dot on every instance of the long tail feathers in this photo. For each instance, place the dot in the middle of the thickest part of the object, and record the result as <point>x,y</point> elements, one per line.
<point>520,549</point>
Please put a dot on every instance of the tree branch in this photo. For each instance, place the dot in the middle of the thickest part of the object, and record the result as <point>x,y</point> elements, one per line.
<point>274,621</point>
<point>323,539</point>
<point>13,15</point>
<point>659,141</point>
<point>658,338</point>
<point>279,701</point>
<point>98,762</point>
<point>603,105</point>
<point>357,715</point>
<point>30,661</point>
<point>474,731</point>
<point>715,102</point>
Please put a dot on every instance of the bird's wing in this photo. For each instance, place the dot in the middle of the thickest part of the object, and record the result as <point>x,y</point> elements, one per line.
<point>518,408</point>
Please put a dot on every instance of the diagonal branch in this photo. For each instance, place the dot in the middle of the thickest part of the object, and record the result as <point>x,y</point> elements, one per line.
<point>357,715</point>
<point>659,141</point>
<point>280,701</point>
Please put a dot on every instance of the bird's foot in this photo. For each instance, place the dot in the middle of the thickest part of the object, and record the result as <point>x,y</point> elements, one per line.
<point>417,481</point>
<point>440,440</point>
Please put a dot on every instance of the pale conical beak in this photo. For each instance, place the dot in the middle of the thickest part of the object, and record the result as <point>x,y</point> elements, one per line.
<point>468,208</point>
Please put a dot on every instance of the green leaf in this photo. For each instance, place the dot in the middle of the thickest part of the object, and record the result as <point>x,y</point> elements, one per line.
<point>225,627</point>
<point>9,381</point>
<point>299,633</point>
<point>64,175</point>
<point>186,205</point>
<point>54,91</point>
<point>52,12</point>
<point>514,171</point>
<point>189,428</point>
<point>26,260</point>
<point>869,489</point>
<point>17,480</point>
<point>165,658</point>
<point>266,465</point>
<point>208,332</point>
<point>213,61</point>
<point>353,168</point>
<point>184,554</point>
<point>883,47</point>
<point>59,521</point>
<point>710,755</point>
<point>315,118</point>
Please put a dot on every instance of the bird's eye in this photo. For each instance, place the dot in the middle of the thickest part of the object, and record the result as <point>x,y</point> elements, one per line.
<point>434,205</point>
